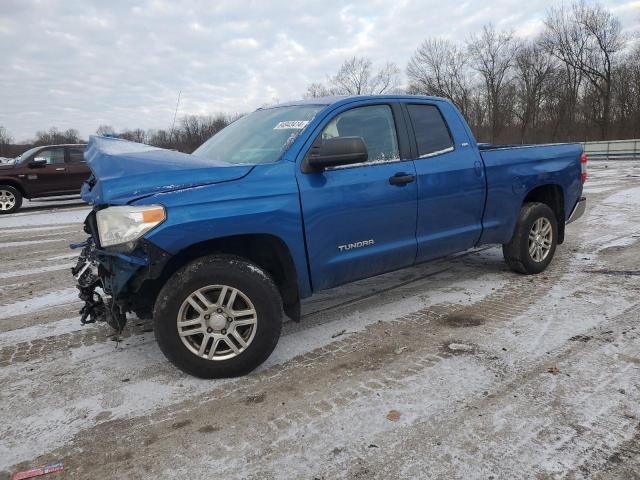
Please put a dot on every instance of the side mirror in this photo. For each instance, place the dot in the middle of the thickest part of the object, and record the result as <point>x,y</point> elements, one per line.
<point>334,152</point>
<point>37,163</point>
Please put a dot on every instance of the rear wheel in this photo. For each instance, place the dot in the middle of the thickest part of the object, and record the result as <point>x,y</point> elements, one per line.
<point>10,199</point>
<point>220,316</point>
<point>534,241</point>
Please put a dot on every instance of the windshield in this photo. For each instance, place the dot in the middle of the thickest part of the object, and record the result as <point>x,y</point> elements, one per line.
<point>260,137</point>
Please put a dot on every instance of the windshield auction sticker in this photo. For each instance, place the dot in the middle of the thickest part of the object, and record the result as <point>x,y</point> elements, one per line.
<point>291,125</point>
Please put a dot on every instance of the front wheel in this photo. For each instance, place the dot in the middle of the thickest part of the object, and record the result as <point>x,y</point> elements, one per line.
<point>10,199</point>
<point>534,241</point>
<point>219,316</point>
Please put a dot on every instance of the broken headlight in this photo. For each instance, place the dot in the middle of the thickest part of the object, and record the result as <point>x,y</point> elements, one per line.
<point>120,226</point>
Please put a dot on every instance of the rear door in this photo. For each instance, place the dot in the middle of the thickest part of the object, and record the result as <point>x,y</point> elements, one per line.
<point>451,182</point>
<point>358,224</point>
<point>77,170</point>
<point>49,179</point>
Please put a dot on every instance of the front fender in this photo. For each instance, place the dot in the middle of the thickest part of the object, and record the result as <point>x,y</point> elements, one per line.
<point>265,202</point>
<point>14,182</point>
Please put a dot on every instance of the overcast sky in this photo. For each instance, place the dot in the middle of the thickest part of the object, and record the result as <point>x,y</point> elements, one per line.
<point>79,64</point>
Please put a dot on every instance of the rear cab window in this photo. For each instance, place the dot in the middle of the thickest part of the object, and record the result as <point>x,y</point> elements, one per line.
<point>76,155</point>
<point>431,131</point>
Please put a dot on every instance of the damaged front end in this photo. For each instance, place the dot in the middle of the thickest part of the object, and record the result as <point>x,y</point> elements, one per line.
<point>86,274</point>
<point>112,283</point>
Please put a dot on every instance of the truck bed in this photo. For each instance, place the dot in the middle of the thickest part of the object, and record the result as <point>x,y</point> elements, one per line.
<point>514,170</point>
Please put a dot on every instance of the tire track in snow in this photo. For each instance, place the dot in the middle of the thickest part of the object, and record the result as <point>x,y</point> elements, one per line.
<point>35,271</point>
<point>545,430</point>
<point>26,243</point>
<point>42,302</point>
<point>413,322</point>
<point>352,376</point>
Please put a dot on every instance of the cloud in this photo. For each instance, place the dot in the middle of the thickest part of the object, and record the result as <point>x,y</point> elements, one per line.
<point>242,43</point>
<point>82,63</point>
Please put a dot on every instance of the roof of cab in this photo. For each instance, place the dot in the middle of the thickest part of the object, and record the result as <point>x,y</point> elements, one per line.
<point>63,145</point>
<point>341,99</point>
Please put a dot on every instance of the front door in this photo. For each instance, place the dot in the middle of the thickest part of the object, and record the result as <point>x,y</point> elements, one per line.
<point>358,222</point>
<point>50,178</point>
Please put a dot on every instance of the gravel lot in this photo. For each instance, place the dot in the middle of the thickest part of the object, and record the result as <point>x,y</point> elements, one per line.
<point>454,369</point>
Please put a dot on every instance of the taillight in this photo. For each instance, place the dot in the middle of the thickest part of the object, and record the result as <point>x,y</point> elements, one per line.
<point>583,165</point>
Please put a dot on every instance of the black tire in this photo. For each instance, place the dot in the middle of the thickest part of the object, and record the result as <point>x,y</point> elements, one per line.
<point>228,270</point>
<point>516,252</point>
<point>16,194</point>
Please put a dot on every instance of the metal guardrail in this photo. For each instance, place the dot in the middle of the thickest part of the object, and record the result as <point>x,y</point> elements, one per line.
<point>613,150</point>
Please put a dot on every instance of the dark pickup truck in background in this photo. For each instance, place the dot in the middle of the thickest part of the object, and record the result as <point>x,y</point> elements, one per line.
<point>44,171</point>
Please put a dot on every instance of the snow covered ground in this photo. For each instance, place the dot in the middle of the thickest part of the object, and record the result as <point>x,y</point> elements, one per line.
<point>457,368</point>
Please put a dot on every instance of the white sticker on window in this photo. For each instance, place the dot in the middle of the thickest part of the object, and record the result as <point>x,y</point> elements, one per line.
<point>291,125</point>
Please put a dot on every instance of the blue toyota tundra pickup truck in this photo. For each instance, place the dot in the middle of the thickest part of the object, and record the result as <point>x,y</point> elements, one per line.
<point>218,245</point>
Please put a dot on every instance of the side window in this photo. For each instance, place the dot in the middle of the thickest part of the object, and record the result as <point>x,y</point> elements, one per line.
<point>374,124</point>
<point>432,134</point>
<point>76,155</point>
<point>52,156</point>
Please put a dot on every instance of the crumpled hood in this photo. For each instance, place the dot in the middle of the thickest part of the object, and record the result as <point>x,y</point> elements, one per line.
<point>124,171</point>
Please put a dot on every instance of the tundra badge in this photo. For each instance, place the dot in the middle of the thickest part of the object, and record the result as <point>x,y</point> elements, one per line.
<point>351,246</point>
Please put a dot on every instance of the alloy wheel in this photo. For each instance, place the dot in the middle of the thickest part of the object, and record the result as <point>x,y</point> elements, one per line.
<point>7,200</point>
<point>217,322</point>
<point>540,238</point>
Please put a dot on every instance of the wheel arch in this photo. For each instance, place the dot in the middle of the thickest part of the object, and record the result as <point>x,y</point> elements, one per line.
<point>15,184</point>
<point>267,251</point>
<point>552,195</point>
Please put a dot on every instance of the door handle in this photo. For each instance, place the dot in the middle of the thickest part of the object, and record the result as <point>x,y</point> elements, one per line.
<point>60,169</point>
<point>478,168</point>
<point>401,179</point>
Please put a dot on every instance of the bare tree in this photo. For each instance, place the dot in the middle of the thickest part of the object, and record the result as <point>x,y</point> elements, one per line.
<point>356,77</point>
<point>352,78</point>
<point>477,115</point>
<point>53,136</point>
<point>387,80</point>
<point>105,130</point>
<point>626,94</point>
<point>5,137</point>
<point>316,90</point>
<point>533,71</point>
<point>492,55</point>
<point>160,138</point>
<point>194,130</point>
<point>136,135</point>
<point>5,140</point>
<point>440,68</point>
<point>587,38</point>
